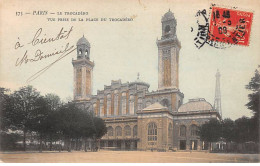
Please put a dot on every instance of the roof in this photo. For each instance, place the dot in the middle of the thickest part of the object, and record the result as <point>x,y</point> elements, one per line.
<point>155,106</point>
<point>168,16</point>
<point>139,82</point>
<point>82,41</point>
<point>198,104</point>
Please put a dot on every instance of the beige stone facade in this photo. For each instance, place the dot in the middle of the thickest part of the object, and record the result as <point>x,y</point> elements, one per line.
<point>137,119</point>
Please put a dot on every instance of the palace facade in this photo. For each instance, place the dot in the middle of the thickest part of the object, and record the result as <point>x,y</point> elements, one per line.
<point>137,119</point>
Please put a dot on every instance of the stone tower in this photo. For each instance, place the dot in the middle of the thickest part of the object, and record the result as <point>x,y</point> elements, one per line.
<point>168,54</point>
<point>217,101</point>
<point>83,71</point>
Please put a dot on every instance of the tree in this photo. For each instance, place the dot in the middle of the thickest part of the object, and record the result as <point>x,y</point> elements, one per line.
<point>254,97</point>
<point>228,127</point>
<point>9,141</point>
<point>53,103</point>
<point>40,123</point>
<point>87,127</point>
<point>253,105</point>
<point>69,122</point>
<point>78,124</point>
<point>210,131</point>
<point>21,114</point>
<point>243,130</point>
<point>4,107</point>
<point>100,127</point>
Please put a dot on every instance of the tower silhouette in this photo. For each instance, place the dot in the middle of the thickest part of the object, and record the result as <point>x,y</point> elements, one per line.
<point>83,71</point>
<point>217,101</point>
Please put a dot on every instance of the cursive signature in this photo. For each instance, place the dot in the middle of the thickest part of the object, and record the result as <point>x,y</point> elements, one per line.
<point>39,55</point>
<point>40,72</point>
<point>39,39</point>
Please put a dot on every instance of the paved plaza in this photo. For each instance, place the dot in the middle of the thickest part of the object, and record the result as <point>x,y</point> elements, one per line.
<point>126,157</point>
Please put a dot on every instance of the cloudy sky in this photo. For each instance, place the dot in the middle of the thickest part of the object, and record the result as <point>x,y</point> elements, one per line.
<point>122,49</point>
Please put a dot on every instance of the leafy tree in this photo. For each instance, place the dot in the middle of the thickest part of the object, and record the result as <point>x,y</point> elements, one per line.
<point>50,123</point>
<point>69,122</point>
<point>21,115</point>
<point>87,126</point>
<point>100,127</point>
<point>227,129</point>
<point>5,101</point>
<point>78,124</point>
<point>243,131</point>
<point>254,97</point>
<point>9,141</point>
<point>27,111</point>
<point>253,105</point>
<point>40,123</point>
<point>210,131</point>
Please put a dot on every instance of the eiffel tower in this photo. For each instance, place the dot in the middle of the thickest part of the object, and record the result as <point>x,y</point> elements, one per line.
<point>217,101</point>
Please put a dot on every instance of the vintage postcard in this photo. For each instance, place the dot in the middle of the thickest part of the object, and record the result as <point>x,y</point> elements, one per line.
<point>133,81</point>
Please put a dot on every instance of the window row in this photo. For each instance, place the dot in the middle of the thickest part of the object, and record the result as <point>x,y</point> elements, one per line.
<point>118,131</point>
<point>193,130</point>
<point>113,108</point>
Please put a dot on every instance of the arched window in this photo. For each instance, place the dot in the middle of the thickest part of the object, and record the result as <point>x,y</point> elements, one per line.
<point>152,132</point>
<point>179,104</point>
<point>132,105</point>
<point>101,111</point>
<point>123,106</point>
<point>140,104</point>
<point>194,130</point>
<point>170,132</point>
<point>118,131</point>
<point>183,131</point>
<point>116,105</point>
<point>108,105</point>
<point>165,103</point>
<point>135,131</point>
<point>123,103</point>
<point>110,131</point>
<point>80,51</point>
<point>86,53</point>
<point>167,29</point>
<point>127,130</point>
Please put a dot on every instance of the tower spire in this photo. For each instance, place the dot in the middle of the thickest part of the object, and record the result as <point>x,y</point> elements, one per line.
<point>217,101</point>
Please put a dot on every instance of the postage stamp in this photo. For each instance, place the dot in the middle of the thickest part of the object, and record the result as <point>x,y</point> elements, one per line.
<point>230,26</point>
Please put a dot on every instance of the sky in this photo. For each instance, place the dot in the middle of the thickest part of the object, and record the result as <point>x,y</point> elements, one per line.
<point>122,49</point>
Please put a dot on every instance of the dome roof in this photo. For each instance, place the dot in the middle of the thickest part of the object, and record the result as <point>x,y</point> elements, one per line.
<point>139,81</point>
<point>83,41</point>
<point>198,104</point>
<point>168,16</point>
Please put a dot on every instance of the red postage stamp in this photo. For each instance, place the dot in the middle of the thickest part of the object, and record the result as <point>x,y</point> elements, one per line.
<point>230,26</point>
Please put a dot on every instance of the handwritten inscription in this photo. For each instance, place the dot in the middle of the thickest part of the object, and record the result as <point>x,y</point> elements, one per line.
<point>37,39</point>
<point>40,54</point>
